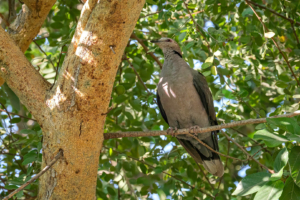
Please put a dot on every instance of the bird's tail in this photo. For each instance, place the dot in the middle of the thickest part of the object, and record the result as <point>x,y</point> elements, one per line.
<point>210,160</point>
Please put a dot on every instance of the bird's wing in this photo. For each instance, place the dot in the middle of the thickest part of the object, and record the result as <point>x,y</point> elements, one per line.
<point>162,111</point>
<point>205,95</point>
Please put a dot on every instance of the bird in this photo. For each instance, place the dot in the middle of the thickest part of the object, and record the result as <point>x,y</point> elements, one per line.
<point>185,101</point>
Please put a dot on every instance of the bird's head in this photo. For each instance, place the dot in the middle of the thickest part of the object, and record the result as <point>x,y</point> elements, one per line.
<point>167,44</point>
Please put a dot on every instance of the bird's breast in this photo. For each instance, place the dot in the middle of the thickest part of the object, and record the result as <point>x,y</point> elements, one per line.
<point>180,101</point>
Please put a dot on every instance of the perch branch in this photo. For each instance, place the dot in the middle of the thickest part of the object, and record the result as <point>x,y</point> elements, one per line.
<point>58,155</point>
<point>200,130</point>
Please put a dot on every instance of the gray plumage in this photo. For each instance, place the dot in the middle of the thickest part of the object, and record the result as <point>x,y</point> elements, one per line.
<point>185,100</point>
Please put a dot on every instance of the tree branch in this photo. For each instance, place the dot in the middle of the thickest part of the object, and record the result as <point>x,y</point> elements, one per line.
<point>21,76</point>
<point>146,49</point>
<point>200,130</point>
<point>248,155</point>
<point>274,12</point>
<point>139,77</point>
<point>11,113</point>
<point>29,21</point>
<point>195,23</point>
<point>266,29</point>
<point>58,155</point>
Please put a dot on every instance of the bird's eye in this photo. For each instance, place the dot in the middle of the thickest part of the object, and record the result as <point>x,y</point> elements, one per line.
<point>169,40</point>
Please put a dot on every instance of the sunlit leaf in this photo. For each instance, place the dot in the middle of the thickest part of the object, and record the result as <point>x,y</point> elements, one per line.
<point>270,191</point>
<point>251,183</point>
<point>294,162</point>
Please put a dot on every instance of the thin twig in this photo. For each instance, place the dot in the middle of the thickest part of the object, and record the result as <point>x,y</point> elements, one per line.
<point>293,27</point>
<point>221,154</point>
<point>5,21</point>
<point>44,53</point>
<point>267,30</point>
<point>192,18</point>
<point>205,176</point>
<point>200,130</point>
<point>141,161</point>
<point>226,161</point>
<point>140,79</point>
<point>37,39</point>
<point>16,114</point>
<point>262,145</point>
<point>146,49</point>
<point>241,100</point>
<point>9,116</point>
<point>151,14</point>
<point>58,63</point>
<point>248,155</point>
<point>257,152</point>
<point>58,155</point>
<point>5,110</point>
<point>273,11</point>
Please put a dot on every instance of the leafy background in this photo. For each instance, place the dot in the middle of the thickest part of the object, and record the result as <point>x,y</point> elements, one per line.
<point>247,75</point>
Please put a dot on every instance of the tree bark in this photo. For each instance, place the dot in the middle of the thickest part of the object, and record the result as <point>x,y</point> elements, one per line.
<point>70,112</point>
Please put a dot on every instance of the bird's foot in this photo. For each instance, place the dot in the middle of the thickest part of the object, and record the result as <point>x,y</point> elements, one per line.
<point>172,131</point>
<point>194,129</point>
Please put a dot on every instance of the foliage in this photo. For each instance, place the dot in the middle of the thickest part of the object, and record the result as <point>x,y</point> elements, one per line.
<point>247,75</point>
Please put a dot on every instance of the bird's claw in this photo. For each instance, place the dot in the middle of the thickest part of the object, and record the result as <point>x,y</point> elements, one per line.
<point>194,129</point>
<point>172,131</point>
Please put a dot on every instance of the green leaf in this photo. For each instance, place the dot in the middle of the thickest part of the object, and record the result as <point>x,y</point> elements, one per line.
<point>277,176</point>
<point>143,168</point>
<point>245,39</point>
<point>270,191</point>
<point>251,183</point>
<point>30,157</point>
<point>281,159</point>
<point>287,124</point>
<point>11,187</point>
<point>27,131</point>
<point>271,139</point>
<point>181,36</point>
<point>210,59</point>
<point>290,191</point>
<point>12,97</point>
<point>278,98</point>
<point>111,191</point>
<point>151,2</point>
<point>15,120</point>
<point>293,137</point>
<point>206,65</point>
<point>294,162</point>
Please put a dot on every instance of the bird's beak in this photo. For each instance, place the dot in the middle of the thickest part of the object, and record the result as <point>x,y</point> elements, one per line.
<point>154,41</point>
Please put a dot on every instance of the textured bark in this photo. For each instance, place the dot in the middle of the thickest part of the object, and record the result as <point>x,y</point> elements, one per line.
<point>80,97</point>
<point>28,23</point>
<point>70,113</point>
<point>22,77</point>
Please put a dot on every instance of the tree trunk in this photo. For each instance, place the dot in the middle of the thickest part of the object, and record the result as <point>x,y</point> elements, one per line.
<point>72,113</point>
